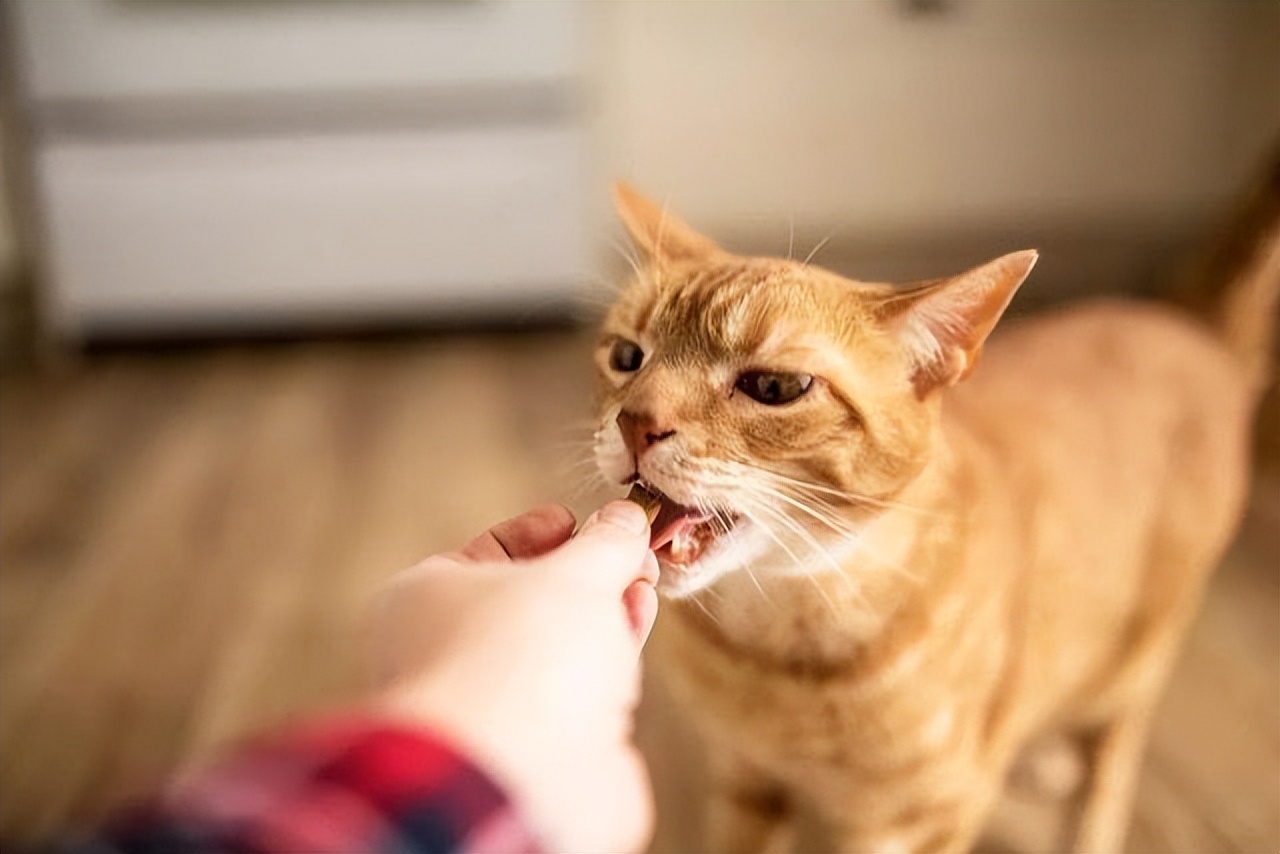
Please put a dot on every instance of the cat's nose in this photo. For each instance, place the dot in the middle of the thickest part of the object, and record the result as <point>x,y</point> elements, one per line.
<point>640,431</point>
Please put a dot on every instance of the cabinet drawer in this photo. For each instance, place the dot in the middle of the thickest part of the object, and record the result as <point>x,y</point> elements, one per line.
<point>264,231</point>
<point>105,49</point>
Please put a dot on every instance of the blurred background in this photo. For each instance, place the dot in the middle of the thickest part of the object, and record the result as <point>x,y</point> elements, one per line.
<point>294,293</point>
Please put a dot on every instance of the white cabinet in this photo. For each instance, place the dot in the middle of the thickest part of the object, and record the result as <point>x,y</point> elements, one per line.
<point>230,166</point>
<point>113,48</point>
<point>259,232</point>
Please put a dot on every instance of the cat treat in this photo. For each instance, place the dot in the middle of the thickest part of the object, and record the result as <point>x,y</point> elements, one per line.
<point>648,502</point>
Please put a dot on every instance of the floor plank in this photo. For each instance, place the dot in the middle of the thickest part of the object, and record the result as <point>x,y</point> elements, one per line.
<point>189,542</point>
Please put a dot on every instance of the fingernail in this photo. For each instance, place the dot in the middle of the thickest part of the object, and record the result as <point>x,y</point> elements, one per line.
<point>625,515</point>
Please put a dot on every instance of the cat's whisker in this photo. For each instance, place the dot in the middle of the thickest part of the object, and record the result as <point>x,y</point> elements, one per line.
<point>580,457</point>
<point>582,473</point>
<point>591,482</point>
<point>796,560</point>
<point>836,519</point>
<point>836,524</point>
<point>876,561</point>
<point>812,506</point>
<point>817,249</point>
<point>696,598</point>
<point>735,470</point>
<point>805,537</point>
<point>661,232</point>
<point>826,597</point>
<point>810,486</point>
<point>745,565</point>
<point>751,574</point>
<point>798,531</point>
<point>601,292</point>
<point>753,514</point>
<point>624,249</point>
<point>580,447</point>
<point>851,497</point>
<point>576,459</point>
<point>581,468</point>
<point>589,422</point>
<point>578,451</point>
<point>591,296</point>
<point>720,516</point>
<point>729,478</point>
<point>723,518</point>
<point>823,514</point>
<point>820,550</point>
<point>579,444</point>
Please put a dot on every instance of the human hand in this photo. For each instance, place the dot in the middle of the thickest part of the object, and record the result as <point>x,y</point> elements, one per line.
<point>524,648</point>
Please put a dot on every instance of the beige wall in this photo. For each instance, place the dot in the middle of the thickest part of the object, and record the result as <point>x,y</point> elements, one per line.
<point>856,114</point>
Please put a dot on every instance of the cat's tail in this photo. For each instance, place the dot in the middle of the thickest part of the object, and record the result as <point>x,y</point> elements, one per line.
<point>1235,287</point>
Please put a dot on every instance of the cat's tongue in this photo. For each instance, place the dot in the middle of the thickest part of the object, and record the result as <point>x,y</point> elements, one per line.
<point>673,519</point>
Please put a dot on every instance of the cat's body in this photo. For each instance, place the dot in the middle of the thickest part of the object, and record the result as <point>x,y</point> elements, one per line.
<point>1059,553</point>
<point>1015,561</point>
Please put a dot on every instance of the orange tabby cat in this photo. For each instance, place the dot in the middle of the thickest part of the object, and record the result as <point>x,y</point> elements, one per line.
<point>882,584</point>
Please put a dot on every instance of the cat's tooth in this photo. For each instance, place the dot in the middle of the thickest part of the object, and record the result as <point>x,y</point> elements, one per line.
<point>681,543</point>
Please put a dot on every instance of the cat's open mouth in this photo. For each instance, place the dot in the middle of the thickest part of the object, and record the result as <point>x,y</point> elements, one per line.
<point>681,534</point>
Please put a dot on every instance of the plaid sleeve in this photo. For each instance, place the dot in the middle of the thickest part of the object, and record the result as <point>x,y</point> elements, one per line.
<point>345,784</point>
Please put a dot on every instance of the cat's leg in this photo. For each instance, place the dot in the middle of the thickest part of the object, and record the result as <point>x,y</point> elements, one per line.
<point>1117,759</point>
<point>929,824</point>
<point>748,811</point>
<point>951,830</point>
<point>1173,590</point>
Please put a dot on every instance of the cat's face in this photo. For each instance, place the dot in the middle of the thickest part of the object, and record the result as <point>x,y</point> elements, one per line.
<point>774,406</point>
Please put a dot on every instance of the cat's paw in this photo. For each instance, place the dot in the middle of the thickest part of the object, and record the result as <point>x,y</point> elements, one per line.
<point>1052,768</point>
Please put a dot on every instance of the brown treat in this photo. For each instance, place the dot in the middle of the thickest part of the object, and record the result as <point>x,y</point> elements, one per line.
<point>647,500</point>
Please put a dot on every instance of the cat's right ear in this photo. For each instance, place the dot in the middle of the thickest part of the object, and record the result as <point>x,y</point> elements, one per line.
<point>944,324</point>
<point>657,232</point>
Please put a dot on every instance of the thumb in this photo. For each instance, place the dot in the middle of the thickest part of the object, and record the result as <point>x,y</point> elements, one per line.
<point>612,545</point>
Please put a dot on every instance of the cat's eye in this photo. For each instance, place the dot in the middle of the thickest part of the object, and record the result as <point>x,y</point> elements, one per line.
<point>626,356</point>
<point>773,389</point>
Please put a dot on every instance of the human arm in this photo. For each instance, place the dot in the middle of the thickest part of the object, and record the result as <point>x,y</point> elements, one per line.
<point>499,719</point>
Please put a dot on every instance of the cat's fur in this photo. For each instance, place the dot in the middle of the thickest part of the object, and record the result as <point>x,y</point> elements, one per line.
<point>936,573</point>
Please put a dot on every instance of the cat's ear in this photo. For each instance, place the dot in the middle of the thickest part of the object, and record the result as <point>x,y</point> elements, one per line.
<point>943,324</point>
<point>657,232</point>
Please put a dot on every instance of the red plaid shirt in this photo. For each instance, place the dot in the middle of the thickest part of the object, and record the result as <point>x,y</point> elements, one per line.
<point>346,784</point>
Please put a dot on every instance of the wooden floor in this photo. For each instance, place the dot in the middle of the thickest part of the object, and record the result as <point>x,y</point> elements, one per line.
<point>188,541</point>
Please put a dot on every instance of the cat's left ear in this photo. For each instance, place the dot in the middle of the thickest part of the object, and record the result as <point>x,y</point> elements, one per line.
<point>944,324</point>
<point>657,232</point>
